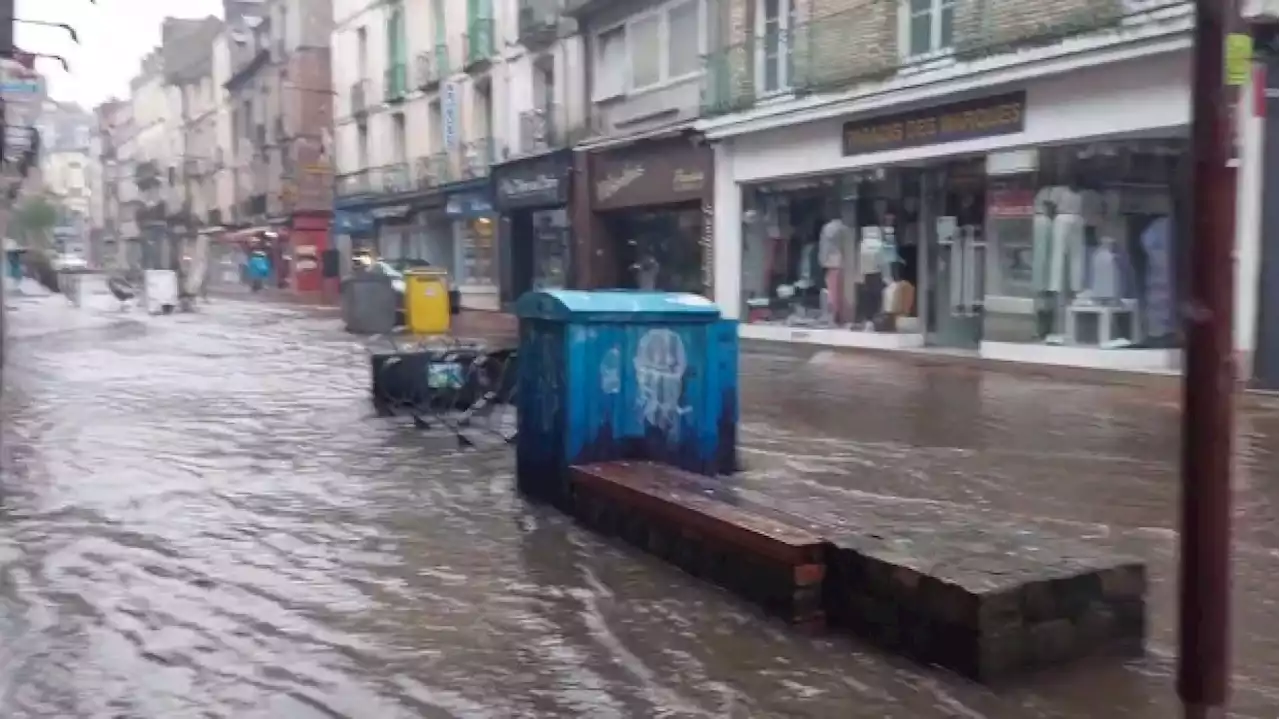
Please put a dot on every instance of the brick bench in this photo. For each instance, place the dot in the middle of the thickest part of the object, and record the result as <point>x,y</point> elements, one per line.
<point>682,518</point>
<point>988,602</point>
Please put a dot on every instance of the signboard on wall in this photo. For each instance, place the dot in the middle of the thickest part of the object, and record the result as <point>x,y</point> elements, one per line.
<point>965,120</point>
<point>449,114</point>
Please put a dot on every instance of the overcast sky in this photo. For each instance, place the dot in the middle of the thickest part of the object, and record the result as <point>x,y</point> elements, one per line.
<point>114,36</point>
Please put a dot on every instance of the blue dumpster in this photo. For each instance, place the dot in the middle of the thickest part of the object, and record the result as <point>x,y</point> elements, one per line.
<point>623,375</point>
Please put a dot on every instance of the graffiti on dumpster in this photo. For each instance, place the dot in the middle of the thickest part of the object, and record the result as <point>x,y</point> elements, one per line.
<point>661,363</point>
<point>611,371</point>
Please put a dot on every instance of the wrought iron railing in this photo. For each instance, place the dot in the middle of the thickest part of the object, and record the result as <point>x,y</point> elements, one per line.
<point>547,128</point>
<point>387,179</point>
<point>478,41</point>
<point>442,167</point>
<point>432,67</point>
<point>359,97</point>
<point>396,84</point>
<point>538,22</point>
<point>476,157</point>
<point>870,42</point>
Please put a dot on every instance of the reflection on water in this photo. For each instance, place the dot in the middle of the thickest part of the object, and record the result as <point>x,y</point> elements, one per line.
<point>202,519</point>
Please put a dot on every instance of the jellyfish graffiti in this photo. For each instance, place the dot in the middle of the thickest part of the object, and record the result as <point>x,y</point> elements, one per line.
<point>660,363</point>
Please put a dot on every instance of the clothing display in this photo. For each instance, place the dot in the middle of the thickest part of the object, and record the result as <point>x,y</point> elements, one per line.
<point>1105,282</point>
<point>1046,207</point>
<point>1158,295</point>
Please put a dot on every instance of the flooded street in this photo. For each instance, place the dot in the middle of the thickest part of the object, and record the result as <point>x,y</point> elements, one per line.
<point>202,518</point>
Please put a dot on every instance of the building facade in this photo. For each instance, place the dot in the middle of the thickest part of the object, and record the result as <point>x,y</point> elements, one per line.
<point>67,171</point>
<point>422,89</point>
<point>643,195</point>
<point>533,179</point>
<point>995,178</point>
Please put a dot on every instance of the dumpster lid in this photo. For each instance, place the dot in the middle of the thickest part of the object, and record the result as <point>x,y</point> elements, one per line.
<point>616,306</point>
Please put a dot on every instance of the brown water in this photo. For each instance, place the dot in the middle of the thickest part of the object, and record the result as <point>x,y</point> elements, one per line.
<point>200,518</point>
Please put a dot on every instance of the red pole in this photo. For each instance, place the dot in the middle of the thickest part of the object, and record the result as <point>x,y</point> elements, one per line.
<point>1209,378</point>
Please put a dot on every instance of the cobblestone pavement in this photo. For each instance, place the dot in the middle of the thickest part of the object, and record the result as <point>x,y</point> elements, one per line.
<point>201,518</point>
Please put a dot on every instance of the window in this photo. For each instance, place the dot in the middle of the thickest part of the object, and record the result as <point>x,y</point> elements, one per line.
<point>650,49</point>
<point>400,138</point>
<point>684,38</point>
<point>929,26</point>
<point>362,147</point>
<point>362,52</point>
<point>611,62</point>
<point>774,19</point>
<point>646,51</point>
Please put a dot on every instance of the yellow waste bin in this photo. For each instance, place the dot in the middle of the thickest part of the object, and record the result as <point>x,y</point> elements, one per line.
<point>426,301</point>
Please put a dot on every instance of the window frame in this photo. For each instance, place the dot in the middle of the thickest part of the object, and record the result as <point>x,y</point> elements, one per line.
<point>936,49</point>
<point>665,78</point>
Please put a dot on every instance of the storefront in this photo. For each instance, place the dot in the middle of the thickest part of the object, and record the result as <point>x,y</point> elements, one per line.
<point>1030,222</point>
<point>532,197</point>
<point>642,219</point>
<point>353,230</point>
<point>474,232</point>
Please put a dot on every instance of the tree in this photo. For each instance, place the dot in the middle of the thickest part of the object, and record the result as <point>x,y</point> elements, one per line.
<point>33,220</point>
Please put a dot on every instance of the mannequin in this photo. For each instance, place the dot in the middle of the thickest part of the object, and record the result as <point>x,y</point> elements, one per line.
<point>831,241</point>
<point>870,283</point>
<point>1046,208</point>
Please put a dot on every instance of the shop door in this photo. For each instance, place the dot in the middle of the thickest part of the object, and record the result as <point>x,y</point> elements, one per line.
<point>957,251</point>
<point>1267,349</point>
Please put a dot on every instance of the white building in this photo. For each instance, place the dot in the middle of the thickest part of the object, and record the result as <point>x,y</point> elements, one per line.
<point>1013,186</point>
<point>423,111</point>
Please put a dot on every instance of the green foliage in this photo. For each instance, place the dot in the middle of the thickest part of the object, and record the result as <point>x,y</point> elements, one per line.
<point>33,220</point>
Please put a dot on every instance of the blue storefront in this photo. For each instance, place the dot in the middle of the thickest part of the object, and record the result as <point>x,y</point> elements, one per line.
<point>468,206</point>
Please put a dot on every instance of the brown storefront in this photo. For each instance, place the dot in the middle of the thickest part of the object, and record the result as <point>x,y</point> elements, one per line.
<point>642,218</point>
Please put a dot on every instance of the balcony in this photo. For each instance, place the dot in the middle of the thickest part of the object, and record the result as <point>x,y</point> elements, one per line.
<point>441,167</point>
<point>476,157</point>
<point>539,22</point>
<point>864,45</point>
<point>396,83</point>
<point>360,98</point>
<point>547,128</point>
<point>432,67</point>
<point>426,173</point>
<point>478,45</point>
<point>385,180</point>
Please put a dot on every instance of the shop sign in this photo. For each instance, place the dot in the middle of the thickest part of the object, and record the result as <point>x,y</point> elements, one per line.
<point>1011,204</point>
<point>966,120</point>
<point>651,175</point>
<point>468,205</point>
<point>536,184</point>
<point>390,212</point>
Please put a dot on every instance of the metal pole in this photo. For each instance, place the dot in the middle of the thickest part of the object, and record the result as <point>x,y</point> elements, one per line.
<point>1209,378</point>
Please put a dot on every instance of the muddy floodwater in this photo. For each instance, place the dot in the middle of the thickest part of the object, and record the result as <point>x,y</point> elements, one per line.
<point>200,517</point>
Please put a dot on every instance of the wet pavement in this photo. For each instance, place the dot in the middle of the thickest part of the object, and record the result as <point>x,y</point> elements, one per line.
<point>202,518</point>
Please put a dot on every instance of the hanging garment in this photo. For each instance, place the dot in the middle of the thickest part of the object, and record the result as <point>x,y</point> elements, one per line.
<point>1046,205</point>
<point>1106,286</point>
<point>1158,296</point>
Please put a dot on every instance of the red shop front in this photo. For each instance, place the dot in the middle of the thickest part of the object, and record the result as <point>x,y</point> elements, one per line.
<point>308,239</point>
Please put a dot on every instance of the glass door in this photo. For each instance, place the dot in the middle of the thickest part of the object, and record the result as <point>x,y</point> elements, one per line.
<point>955,225</point>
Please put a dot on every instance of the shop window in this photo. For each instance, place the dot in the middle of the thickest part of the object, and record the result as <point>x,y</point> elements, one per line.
<point>550,249</point>
<point>478,251</point>
<point>659,249</point>
<point>928,28</point>
<point>833,253</point>
<point>1083,247</point>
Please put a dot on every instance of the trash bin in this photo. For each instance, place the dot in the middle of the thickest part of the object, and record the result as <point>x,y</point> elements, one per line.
<point>426,301</point>
<point>369,304</point>
<point>623,375</point>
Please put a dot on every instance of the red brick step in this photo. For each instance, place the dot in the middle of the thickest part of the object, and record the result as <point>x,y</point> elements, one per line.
<point>677,516</point>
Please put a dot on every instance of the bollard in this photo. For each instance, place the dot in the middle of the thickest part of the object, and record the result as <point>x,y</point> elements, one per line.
<point>623,375</point>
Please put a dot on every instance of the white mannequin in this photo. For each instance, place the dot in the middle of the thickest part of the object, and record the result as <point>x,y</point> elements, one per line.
<point>1077,209</point>
<point>831,241</point>
<point>1046,206</point>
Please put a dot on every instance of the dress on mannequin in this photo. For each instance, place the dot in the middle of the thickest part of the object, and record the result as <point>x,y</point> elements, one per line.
<point>1046,207</point>
<point>1075,208</point>
<point>1107,286</point>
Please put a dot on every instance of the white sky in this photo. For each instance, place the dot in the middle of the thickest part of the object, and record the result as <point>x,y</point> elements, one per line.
<point>114,36</point>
